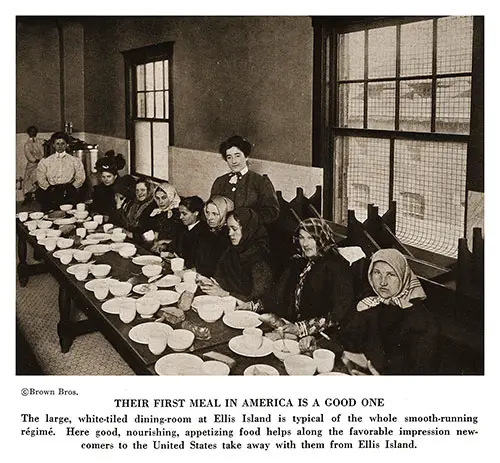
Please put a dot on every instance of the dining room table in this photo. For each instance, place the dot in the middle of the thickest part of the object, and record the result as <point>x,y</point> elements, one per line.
<point>75,297</point>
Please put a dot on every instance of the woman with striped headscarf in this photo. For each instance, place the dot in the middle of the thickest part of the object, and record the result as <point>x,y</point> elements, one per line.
<point>392,327</point>
<point>315,292</point>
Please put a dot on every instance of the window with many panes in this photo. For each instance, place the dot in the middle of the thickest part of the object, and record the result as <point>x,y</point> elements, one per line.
<point>149,108</point>
<point>395,114</point>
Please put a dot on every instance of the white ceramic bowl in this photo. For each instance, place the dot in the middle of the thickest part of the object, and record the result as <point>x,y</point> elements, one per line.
<point>82,255</point>
<point>147,306</point>
<point>65,243</point>
<point>39,234</point>
<point>215,368</point>
<point>100,270</point>
<point>180,340</point>
<point>65,256</point>
<point>44,224</point>
<point>210,312</point>
<point>127,251</point>
<point>151,270</point>
<point>31,224</point>
<point>119,288</point>
<point>118,237</point>
<point>81,215</point>
<point>36,215</point>
<point>91,225</point>
<point>300,365</point>
<point>66,207</point>
<point>281,351</point>
<point>52,233</point>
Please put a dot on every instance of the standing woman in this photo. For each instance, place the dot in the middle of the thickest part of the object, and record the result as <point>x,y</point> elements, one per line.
<point>315,292</point>
<point>392,327</point>
<point>195,235</point>
<point>33,151</point>
<point>216,211</point>
<point>103,196</point>
<point>244,270</point>
<point>243,186</point>
<point>162,225</point>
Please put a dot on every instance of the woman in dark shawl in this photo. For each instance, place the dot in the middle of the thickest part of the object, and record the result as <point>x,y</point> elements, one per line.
<point>392,327</point>
<point>244,270</point>
<point>315,292</point>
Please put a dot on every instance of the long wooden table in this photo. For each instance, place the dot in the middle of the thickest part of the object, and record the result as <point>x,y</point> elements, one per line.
<point>73,294</point>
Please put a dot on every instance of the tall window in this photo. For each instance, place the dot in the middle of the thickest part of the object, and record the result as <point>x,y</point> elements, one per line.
<point>396,112</point>
<point>149,108</point>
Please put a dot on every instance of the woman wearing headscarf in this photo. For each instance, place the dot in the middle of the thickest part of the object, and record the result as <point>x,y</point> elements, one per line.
<point>392,327</point>
<point>195,234</point>
<point>217,241</point>
<point>245,187</point>
<point>315,292</point>
<point>244,270</point>
<point>162,225</point>
<point>103,196</point>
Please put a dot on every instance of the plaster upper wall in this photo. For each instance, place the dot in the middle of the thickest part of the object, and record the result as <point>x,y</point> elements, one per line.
<point>37,76</point>
<point>245,75</point>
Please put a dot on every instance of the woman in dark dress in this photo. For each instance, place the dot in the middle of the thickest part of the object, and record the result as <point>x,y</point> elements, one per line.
<point>142,203</point>
<point>244,270</point>
<point>195,235</point>
<point>157,229</point>
<point>243,186</point>
<point>315,292</point>
<point>392,327</point>
<point>216,210</point>
<point>103,196</point>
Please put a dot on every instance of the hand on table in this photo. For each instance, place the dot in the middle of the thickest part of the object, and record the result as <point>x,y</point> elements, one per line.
<point>159,245</point>
<point>212,288</point>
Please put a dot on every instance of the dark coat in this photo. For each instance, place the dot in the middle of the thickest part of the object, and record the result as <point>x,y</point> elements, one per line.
<point>327,289</point>
<point>209,253</point>
<point>168,228</point>
<point>103,200</point>
<point>189,244</point>
<point>395,340</point>
<point>253,191</point>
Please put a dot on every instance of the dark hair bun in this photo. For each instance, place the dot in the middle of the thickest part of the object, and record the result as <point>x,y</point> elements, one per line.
<point>241,143</point>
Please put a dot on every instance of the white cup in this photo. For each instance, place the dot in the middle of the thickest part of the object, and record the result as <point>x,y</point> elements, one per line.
<point>117,229</point>
<point>99,219</point>
<point>189,277</point>
<point>149,235</point>
<point>80,207</point>
<point>228,303</point>
<point>101,290</point>
<point>157,342</point>
<point>50,244</point>
<point>81,232</point>
<point>177,264</point>
<point>127,312</point>
<point>66,258</point>
<point>325,359</point>
<point>82,273</point>
<point>23,216</point>
<point>252,338</point>
<point>107,227</point>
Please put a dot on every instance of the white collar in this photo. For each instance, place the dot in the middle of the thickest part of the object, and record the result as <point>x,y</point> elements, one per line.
<point>61,155</point>
<point>244,171</point>
<point>190,227</point>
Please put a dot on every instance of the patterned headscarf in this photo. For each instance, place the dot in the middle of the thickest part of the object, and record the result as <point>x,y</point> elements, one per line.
<point>172,196</point>
<point>410,287</point>
<point>322,233</point>
<point>224,206</point>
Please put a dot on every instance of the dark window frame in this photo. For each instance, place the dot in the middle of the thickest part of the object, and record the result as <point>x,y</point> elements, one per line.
<point>151,53</point>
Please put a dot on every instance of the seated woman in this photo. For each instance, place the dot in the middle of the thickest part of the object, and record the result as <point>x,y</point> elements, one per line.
<point>216,211</point>
<point>315,292</point>
<point>244,270</point>
<point>142,203</point>
<point>124,188</point>
<point>103,196</point>
<point>158,228</point>
<point>196,234</point>
<point>243,186</point>
<point>392,327</point>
